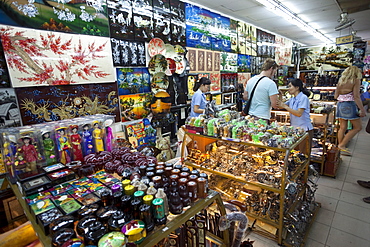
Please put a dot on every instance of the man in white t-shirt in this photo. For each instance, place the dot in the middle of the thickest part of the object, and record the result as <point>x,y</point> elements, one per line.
<point>266,93</point>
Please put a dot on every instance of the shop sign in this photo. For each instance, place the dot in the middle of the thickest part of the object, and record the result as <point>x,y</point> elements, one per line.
<point>344,40</point>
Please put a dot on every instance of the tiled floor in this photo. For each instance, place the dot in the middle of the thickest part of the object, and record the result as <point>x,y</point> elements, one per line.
<point>343,219</point>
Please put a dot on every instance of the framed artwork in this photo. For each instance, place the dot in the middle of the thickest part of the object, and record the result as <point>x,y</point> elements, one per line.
<point>192,59</point>
<point>242,33</point>
<point>244,63</point>
<point>243,78</point>
<point>4,74</point>
<point>209,61</point>
<point>215,81</point>
<point>43,58</point>
<point>135,106</point>
<point>9,111</point>
<point>229,62</point>
<point>162,20</point>
<point>178,25</point>
<point>83,17</point>
<point>128,53</point>
<point>216,61</point>
<point>201,60</point>
<point>229,82</point>
<point>121,23</point>
<point>192,78</point>
<point>234,36</point>
<point>133,80</point>
<point>46,104</point>
<point>142,12</point>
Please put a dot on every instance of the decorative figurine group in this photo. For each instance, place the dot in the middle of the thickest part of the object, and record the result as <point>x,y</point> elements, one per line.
<point>31,147</point>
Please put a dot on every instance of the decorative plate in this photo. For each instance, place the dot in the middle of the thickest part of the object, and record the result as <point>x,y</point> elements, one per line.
<point>170,51</point>
<point>180,50</point>
<point>180,65</point>
<point>159,82</point>
<point>156,46</point>
<point>171,68</point>
<point>158,63</point>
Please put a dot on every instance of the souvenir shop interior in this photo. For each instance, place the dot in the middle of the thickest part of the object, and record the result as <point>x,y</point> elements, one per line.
<point>98,145</point>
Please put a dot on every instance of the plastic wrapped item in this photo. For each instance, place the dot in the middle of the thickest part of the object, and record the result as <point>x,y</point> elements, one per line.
<point>239,217</point>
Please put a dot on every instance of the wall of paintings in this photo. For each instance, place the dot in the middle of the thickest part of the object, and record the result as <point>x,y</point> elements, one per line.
<point>95,56</point>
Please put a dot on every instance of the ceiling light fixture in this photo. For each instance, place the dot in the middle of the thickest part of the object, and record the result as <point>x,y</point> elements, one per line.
<point>279,9</point>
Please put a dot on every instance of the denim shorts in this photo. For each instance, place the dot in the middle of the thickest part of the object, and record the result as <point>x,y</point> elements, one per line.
<point>347,110</point>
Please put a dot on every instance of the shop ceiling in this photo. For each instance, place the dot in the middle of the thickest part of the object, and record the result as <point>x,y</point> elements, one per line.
<point>322,15</point>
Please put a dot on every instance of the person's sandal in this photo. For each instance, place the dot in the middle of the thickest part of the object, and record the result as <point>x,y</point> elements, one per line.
<point>345,152</point>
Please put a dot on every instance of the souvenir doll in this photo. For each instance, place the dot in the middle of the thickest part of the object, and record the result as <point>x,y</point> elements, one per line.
<point>10,150</point>
<point>98,135</point>
<point>29,153</point>
<point>109,134</point>
<point>49,148</point>
<point>88,147</point>
<point>76,143</point>
<point>63,145</point>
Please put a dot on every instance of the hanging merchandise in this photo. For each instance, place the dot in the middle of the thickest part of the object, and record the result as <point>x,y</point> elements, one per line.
<point>120,20</point>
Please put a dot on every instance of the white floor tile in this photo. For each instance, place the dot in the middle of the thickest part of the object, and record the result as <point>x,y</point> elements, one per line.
<point>338,238</point>
<point>354,199</point>
<point>319,232</point>
<point>327,202</point>
<point>352,226</point>
<point>354,211</point>
<point>328,191</point>
<point>325,216</point>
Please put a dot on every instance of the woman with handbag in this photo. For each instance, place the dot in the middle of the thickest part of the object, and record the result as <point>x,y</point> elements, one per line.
<point>349,106</point>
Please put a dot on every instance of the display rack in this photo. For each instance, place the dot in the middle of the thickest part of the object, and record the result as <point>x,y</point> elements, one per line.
<point>159,233</point>
<point>301,171</point>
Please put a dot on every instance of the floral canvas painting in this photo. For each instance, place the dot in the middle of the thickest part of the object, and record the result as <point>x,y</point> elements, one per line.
<point>215,82</point>
<point>135,106</point>
<point>133,80</point>
<point>46,104</point>
<point>43,58</point>
<point>80,17</point>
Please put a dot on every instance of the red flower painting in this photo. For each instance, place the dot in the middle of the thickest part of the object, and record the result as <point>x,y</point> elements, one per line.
<point>52,58</point>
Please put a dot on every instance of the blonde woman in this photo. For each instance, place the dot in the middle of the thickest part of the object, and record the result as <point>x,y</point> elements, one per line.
<point>349,106</point>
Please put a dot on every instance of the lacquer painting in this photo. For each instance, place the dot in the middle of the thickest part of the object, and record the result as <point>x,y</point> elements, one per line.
<point>128,53</point>
<point>229,82</point>
<point>200,60</point>
<point>206,29</point>
<point>135,106</point>
<point>162,20</point>
<point>244,63</point>
<point>215,82</point>
<point>133,80</point>
<point>46,104</point>
<point>192,59</point>
<point>243,78</point>
<point>209,61</point>
<point>178,25</point>
<point>121,22</point>
<point>283,51</point>
<point>234,36</point>
<point>4,74</point>
<point>142,12</point>
<point>43,58</point>
<point>83,16</point>
<point>242,34</point>
<point>229,62</point>
<point>216,61</point>
<point>9,111</point>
